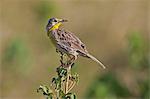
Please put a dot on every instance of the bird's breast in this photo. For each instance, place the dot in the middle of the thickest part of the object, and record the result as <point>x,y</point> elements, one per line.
<point>52,37</point>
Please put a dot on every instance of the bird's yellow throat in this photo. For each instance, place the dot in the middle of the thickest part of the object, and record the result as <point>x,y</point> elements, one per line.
<point>56,26</point>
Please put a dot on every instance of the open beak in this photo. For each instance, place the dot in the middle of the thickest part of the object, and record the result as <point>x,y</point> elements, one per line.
<point>62,20</point>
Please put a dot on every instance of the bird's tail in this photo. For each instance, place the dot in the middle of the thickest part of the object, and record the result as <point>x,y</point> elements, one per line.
<point>96,60</point>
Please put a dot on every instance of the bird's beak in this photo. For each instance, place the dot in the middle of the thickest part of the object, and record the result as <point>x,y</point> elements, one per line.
<point>62,20</point>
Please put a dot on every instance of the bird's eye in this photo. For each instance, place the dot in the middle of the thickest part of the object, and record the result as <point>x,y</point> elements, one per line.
<point>55,20</point>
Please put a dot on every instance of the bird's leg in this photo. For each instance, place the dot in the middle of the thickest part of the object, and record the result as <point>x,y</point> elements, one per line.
<point>68,61</point>
<point>71,60</point>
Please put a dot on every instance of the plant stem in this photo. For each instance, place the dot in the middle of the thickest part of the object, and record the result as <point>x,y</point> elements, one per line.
<point>71,86</point>
<point>67,80</point>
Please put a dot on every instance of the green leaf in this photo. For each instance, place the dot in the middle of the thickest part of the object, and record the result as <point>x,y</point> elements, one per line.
<point>45,90</point>
<point>75,77</point>
<point>61,93</point>
<point>70,96</point>
<point>62,72</point>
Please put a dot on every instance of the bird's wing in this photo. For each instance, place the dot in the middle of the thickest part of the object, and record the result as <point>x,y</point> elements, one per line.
<point>69,43</point>
<point>69,40</point>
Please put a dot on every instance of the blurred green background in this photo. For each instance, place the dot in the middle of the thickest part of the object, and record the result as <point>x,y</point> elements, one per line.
<point>115,31</point>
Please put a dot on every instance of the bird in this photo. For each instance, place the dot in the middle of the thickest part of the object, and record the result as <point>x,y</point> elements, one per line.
<point>66,41</point>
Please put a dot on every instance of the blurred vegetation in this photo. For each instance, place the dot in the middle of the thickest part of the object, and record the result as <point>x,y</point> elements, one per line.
<point>109,86</point>
<point>16,55</point>
<point>45,10</point>
<point>144,89</point>
<point>138,51</point>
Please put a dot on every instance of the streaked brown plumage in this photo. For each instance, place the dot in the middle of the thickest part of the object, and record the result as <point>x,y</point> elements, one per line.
<point>67,42</point>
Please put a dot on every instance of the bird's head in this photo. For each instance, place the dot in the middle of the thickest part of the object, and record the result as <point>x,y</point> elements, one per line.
<point>54,23</point>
